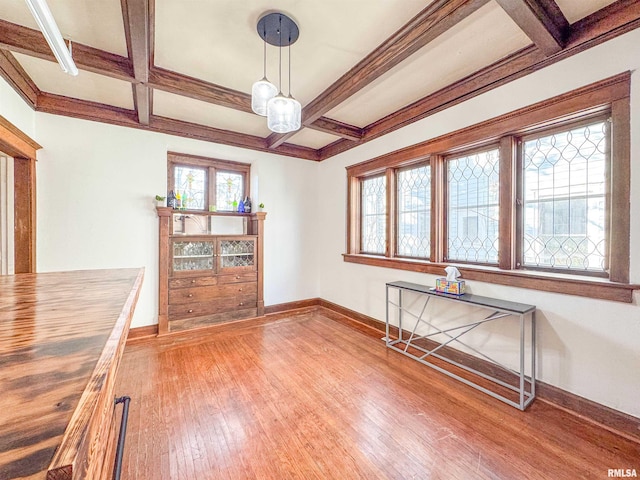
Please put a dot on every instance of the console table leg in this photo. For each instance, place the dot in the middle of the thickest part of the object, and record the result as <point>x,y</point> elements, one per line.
<point>533,355</point>
<point>400,315</point>
<point>522,350</point>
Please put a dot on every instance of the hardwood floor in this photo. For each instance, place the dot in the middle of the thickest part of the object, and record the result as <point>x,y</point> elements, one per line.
<point>306,397</point>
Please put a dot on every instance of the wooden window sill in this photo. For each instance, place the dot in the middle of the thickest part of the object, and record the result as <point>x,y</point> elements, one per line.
<point>548,282</point>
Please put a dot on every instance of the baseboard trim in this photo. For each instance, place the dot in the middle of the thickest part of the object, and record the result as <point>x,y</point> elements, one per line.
<point>289,306</point>
<point>145,332</point>
<point>612,420</point>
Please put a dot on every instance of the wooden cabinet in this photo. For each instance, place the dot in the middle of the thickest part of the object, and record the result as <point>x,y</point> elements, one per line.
<point>209,272</point>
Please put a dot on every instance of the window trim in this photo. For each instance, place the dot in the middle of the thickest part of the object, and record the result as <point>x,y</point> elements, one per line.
<point>213,165</point>
<point>611,94</point>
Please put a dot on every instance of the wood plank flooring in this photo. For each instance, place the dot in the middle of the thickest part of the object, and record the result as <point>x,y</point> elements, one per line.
<point>306,397</point>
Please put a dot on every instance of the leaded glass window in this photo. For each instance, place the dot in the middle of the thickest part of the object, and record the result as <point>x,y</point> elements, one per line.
<point>374,225</point>
<point>191,185</point>
<point>414,212</point>
<point>208,184</point>
<point>229,190</point>
<point>564,199</point>
<point>473,188</point>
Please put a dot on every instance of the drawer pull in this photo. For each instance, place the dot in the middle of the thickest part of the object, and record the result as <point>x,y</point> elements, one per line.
<point>237,277</point>
<point>193,281</point>
<point>241,304</point>
<point>239,289</point>
<point>190,295</point>
<point>189,311</point>
<point>121,436</point>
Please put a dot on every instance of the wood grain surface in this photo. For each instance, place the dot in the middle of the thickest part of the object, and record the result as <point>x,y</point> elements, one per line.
<point>306,397</point>
<point>61,337</point>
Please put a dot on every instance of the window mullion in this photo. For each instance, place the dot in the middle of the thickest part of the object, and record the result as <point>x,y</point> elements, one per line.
<point>518,231</point>
<point>438,190</point>
<point>391,212</point>
<point>508,207</point>
<point>211,186</point>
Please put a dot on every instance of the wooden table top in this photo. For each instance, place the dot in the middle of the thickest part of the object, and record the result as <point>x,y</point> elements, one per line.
<point>55,330</point>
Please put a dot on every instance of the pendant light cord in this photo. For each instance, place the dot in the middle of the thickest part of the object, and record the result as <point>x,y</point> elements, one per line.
<point>289,63</point>
<point>264,54</point>
<point>280,56</point>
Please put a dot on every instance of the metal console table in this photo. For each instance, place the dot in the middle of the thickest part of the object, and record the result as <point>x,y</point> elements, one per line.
<point>526,387</point>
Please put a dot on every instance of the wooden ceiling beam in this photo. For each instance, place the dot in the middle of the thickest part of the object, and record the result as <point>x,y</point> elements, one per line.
<point>17,38</point>
<point>19,80</point>
<point>542,21</point>
<point>434,20</point>
<point>614,20</point>
<point>142,101</point>
<point>180,84</point>
<point>334,127</point>
<point>135,14</point>
<point>71,107</point>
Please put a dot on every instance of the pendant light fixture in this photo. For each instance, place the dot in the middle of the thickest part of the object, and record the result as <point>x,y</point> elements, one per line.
<point>283,112</point>
<point>263,90</point>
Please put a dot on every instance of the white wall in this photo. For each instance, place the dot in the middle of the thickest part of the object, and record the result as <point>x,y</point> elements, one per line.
<point>16,110</point>
<point>96,185</point>
<point>588,347</point>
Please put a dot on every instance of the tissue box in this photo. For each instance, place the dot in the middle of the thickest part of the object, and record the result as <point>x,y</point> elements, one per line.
<point>454,287</point>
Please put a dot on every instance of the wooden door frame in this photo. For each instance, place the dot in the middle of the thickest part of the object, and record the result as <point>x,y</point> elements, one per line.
<point>22,148</point>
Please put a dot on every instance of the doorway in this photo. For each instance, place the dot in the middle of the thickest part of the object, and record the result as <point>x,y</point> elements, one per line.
<point>7,263</point>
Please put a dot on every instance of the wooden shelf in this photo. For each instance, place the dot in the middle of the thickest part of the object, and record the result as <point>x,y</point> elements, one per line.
<point>163,211</point>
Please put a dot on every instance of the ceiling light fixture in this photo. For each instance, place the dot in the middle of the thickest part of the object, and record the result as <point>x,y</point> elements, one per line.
<point>44,19</point>
<point>283,113</point>
<point>263,90</point>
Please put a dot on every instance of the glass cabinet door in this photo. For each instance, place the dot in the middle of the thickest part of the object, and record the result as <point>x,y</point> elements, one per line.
<point>192,255</point>
<point>236,254</point>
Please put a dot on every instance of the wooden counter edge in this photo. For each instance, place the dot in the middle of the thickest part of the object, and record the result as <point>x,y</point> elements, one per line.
<point>68,461</point>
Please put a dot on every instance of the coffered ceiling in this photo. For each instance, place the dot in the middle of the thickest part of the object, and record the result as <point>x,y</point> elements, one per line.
<point>360,69</point>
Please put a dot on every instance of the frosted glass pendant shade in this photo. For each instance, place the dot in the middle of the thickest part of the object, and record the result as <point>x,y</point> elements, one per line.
<point>297,113</point>
<point>261,92</point>
<point>283,114</point>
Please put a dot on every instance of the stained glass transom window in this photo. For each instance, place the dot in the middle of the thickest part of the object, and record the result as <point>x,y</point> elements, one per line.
<point>414,212</point>
<point>374,225</point>
<point>564,190</point>
<point>190,185</point>
<point>472,207</point>
<point>229,190</point>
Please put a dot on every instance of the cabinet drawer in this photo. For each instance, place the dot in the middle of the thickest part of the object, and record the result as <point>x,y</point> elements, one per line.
<point>185,282</point>
<point>220,305</point>
<point>238,278</point>
<point>203,294</point>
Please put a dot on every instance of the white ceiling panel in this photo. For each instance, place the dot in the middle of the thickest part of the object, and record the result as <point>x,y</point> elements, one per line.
<point>217,41</point>
<point>312,138</point>
<point>195,111</point>
<point>97,23</point>
<point>481,39</point>
<point>49,77</point>
<point>574,10</point>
